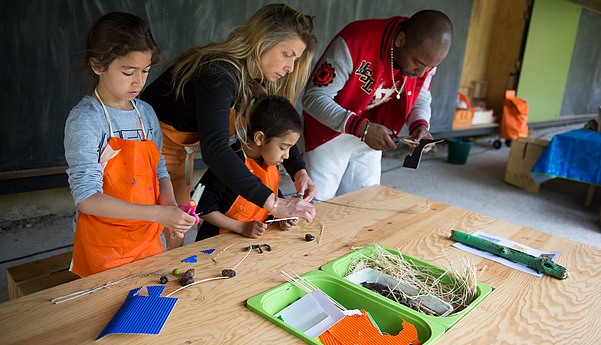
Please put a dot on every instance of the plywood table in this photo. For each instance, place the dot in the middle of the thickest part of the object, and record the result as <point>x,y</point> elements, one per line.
<point>522,309</point>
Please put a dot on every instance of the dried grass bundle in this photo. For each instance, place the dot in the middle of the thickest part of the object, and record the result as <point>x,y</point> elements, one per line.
<point>454,285</point>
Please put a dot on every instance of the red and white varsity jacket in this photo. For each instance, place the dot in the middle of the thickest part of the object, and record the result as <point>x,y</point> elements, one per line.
<point>352,83</point>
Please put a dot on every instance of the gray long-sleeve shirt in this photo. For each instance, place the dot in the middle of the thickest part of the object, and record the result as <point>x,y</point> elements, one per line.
<point>86,135</point>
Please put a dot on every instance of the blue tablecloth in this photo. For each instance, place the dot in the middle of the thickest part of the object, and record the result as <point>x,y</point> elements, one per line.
<point>574,155</point>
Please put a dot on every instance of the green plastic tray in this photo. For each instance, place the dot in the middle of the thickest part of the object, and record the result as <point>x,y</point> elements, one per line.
<point>386,315</point>
<point>340,267</point>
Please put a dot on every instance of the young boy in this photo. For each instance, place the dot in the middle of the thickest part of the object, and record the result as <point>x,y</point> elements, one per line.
<point>274,127</point>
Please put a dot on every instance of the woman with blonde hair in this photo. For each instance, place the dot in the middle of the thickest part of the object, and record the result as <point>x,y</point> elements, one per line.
<point>204,94</point>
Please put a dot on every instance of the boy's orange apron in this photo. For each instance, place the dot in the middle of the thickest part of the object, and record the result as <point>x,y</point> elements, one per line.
<point>130,175</point>
<point>244,210</point>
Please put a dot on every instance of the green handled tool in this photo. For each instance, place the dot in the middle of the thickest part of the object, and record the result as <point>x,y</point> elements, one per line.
<point>539,264</point>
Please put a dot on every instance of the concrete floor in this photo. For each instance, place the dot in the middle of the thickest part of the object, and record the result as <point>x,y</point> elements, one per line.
<point>476,186</point>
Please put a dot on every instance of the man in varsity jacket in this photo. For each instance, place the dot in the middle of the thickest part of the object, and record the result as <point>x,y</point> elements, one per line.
<point>373,78</point>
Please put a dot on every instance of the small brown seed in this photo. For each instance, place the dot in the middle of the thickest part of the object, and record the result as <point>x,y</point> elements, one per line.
<point>186,281</point>
<point>309,237</point>
<point>189,273</point>
<point>228,273</point>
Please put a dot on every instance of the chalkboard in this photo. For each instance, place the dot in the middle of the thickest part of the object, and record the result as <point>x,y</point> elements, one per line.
<point>43,46</point>
<point>583,87</point>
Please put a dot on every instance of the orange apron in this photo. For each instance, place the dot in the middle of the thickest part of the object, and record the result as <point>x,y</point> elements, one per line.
<point>130,175</point>
<point>244,210</point>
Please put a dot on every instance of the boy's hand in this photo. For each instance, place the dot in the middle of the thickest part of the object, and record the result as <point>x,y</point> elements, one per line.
<point>253,229</point>
<point>287,224</point>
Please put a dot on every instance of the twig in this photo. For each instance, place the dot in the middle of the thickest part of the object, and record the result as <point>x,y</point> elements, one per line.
<point>415,209</point>
<point>81,293</point>
<point>320,231</point>
<point>223,250</point>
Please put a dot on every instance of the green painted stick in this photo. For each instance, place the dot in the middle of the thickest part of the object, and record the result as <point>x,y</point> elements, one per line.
<point>539,264</point>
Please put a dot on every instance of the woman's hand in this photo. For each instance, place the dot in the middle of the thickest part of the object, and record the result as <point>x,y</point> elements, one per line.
<point>304,185</point>
<point>293,207</point>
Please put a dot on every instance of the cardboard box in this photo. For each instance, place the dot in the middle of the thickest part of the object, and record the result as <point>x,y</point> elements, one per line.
<point>524,154</point>
<point>463,118</point>
<point>483,117</point>
<point>39,275</point>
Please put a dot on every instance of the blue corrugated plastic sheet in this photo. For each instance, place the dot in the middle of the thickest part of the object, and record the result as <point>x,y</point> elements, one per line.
<point>141,314</point>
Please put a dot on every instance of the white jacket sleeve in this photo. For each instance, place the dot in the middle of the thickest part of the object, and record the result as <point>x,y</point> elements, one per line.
<point>422,109</point>
<point>319,100</point>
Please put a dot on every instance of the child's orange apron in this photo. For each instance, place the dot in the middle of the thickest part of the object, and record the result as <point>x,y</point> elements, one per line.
<point>179,149</point>
<point>244,210</point>
<point>130,175</point>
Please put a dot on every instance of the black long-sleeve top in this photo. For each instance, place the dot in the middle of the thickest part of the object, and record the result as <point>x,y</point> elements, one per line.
<point>205,109</point>
<point>218,197</point>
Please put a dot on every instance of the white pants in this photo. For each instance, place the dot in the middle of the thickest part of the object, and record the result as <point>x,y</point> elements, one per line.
<point>342,165</point>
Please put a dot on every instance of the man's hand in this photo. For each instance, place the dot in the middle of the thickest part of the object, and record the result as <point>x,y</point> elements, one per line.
<point>420,132</point>
<point>378,137</point>
<point>304,185</point>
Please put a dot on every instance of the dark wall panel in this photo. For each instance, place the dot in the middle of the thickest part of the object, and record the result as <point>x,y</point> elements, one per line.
<point>583,88</point>
<point>43,48</point>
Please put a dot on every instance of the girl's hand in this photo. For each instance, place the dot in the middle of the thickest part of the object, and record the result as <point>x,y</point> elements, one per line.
<point>287,224</point>
<point>175,219</point>
<point>304,185</point>
<point>253,229</point>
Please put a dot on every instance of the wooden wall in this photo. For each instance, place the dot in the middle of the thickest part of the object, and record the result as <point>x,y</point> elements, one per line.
<point>493,47</point>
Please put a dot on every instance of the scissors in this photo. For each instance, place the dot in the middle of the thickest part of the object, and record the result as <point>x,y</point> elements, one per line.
<point>405,139</point>
<point>190,208</point>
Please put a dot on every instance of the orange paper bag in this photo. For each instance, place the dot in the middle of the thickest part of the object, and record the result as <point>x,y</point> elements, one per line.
<point>514,122</point>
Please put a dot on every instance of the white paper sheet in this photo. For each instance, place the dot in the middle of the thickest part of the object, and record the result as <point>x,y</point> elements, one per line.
<point>511,244</point>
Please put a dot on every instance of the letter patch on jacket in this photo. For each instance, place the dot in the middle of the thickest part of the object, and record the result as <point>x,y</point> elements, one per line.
<point>365,72</point>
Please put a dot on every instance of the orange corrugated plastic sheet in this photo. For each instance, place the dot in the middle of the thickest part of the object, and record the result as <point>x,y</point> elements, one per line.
<point>514,122</point>
<point>360,330</point>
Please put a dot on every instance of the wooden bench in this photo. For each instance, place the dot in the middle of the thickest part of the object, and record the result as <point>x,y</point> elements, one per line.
<point>39,275</point>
